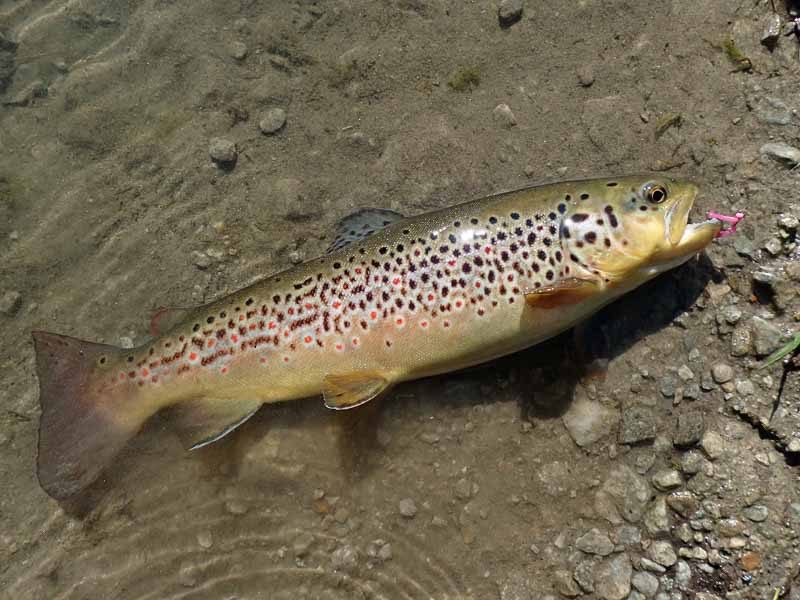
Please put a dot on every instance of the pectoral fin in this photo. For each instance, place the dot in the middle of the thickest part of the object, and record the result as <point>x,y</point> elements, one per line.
<point>203,421</point>
<point>565,291</point>
<point>342,392</point>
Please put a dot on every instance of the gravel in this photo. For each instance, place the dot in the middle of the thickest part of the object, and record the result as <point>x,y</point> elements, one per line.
<point>646,583</point>
<point>783,153</point>
<point>509,12</point>
<point>638,425</point>
<point>272,121</point>
<point>407,508</point>
<point>612,578</point>
<point>667,479</point>
<point>722,372</point>
<point>595,542</point>
<point>222,150</point>
<point>661,552</point>
<point>713,444</point>
<point>689,429</point>
<point>756,513</point>
<point>766,337</point>
<point>503,115</point>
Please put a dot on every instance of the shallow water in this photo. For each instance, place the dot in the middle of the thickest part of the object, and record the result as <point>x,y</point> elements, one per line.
<point>469,485</point>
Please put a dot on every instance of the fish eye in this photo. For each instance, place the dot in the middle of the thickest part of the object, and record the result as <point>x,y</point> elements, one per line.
<point>655,193</point>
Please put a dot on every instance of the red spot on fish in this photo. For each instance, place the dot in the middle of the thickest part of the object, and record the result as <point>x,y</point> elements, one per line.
<point>396,281</point>
<point>307,339</point>
<point>193,356</point>
<point>132,374</point>
<point>272,325</point>
<point>452,263</point>
<point>400,321</point>
<point>477,284</point>
<point>263,360</point>
<point>488,250</point>
<point>286,359</point>
<point>459,304</point>
<point>234,338</point>
<point>431,297</point>
<point>423,324</point>
<point>286,333</point>
<point>373,315</point>
<point>446,324</point>
<point>241,317</point>
<point>122,376</point>
<point>210,343</point>
<point>309,306</point>
<point>224,370</point>
<point>154,379</point>
<point>358,270</point>
<point>145,372</point>
<point>340,347</point>
<point>355,341</point>
<point>252,327</point>
<point>290,311</point>
<point>336,304</point>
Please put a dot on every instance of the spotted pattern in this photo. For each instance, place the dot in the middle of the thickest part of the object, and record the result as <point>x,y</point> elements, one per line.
<point>368,293</point>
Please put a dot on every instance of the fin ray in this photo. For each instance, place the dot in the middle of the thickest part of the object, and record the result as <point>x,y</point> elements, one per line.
<point>569,290</point>
<point>203,421</point>
<point>343,392</point>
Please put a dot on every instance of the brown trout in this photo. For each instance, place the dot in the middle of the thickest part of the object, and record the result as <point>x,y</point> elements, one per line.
<point>394,299</point>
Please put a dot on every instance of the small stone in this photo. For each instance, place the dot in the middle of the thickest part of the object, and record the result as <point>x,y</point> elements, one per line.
<point>126,341</point>
<point>584,575</point>
<point>683,574</point>
<point>662,553</point>
<point>773,111</point>
<point>628,535</point>
<point>385,552</point>
<point>745,387</point>
<point>222,151</point>
<point>766,337</point>
<point>587,422</point>
<point>187,574</point>
<point>773,246</point>
<point>565,584</point>
<point>744,246</point>
<point>649,565</point>
<point>721,372</point>
<point>430,437</point>
<point>788,223</point>
<point>295,257</point>
<point>302,544</point>
<point>685,373</point>
<point>756,513</point>
<point>272,121</point>
<point>238,50</point>
<point>463,489</point>
<point>201,260</point>
<point>344,558</point>
<point>502,113</point>
<point>407,508</point>
<point>692,463</point>
<point>691,391</point>
<point>730,527</point>
<point>696,553</point>
<point>656,519</point>
<point>684,503</point>
<point>612,578</point>
<point>585,75</point>
<point>10,303</point>
<point>638,425</point>
<point>236,507</point>
<point>781,152</point>
<point>771,31</point>
<point>668,385</point>
<point>646,583</point>
<point>741,340</point>
<point>750,561</point>
<point>713,444</point>
<point>595,542</point>
<point>689,430</point>
<point>515,587</point>
<point>205,540</point>
<point>509,12</point>
<point>667,479</point>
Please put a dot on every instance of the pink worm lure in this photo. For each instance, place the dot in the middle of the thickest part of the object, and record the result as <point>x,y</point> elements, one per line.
<point>734,221</point>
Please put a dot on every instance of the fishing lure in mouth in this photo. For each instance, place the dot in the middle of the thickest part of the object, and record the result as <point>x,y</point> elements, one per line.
<point>395,298</point>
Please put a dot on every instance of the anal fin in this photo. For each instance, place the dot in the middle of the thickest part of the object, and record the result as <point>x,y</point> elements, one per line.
<point>203,421</point>
<point>165,318</point>
<point>342,392</point>
<point>570,290</point>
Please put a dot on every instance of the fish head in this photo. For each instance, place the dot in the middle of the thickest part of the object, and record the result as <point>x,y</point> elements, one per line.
<point>633,228</point>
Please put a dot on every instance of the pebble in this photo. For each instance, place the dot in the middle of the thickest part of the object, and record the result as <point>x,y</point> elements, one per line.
<point>302,544</point>
<point>187,575</point>
<point>773,111</point>
<point>638,425</point>
<point>502,113</point>
<point>10,302</point>
<point>722,372</point>
<point>691,391</point>
<point>584,575</point>
<point>741,340</point>
<point>595,542</point>
<point>222,150</point>
<point>696,553</point>
<point>667,479</point>
<point>668,385</point>
<point>585,75</point>
<point>662,553</point>
<point>656,519</point>
<point>509,12</point>
<point>238,50</point>
<point>646,583</point>
<point>745,387</point>
<point>344,558</point>
<point>766,337</point>
<point>744,246</point>
<point>684,503</point>
<point>685,373</point>
<point>784,153</point>
<point>236,507</point>
<point>295,257</point>
<point>587,422</point>
<point>272,121</point>
<point>683,574</point>
<point>623,495</point>
<point>430,438</point>
<point>565,584</point>
<point>612,578</point>
<point>407,508</point>
<point>772,30</point>
<point>690,428</point>
<point>205,539</point>
<point>126,341</point>
<point>773,246</point>
<point>201,260</point>
<point>650,565</point>
<point>463,489</point>
<point>713,444</point>
<point>750,561</point>
<point>756,513</point>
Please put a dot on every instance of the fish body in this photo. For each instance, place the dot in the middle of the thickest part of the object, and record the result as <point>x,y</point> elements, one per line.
<point>420,296</point>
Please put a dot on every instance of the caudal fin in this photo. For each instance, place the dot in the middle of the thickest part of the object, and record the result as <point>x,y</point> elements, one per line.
<point>82,427</point>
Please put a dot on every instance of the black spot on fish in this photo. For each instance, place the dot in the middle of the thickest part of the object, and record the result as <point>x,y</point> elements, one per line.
<point>515,215</point>
<point>584,196</point>
<point>579,217</point>
<point>562,208</point>
<point>590,237</point>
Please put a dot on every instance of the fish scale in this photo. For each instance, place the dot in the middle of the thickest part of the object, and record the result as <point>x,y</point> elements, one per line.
<point>396,299</point>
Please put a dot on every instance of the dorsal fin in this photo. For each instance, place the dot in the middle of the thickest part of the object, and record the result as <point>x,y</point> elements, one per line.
<point>360,225</point>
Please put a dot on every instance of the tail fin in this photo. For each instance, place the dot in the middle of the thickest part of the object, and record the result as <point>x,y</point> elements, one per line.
<point>81,429</point>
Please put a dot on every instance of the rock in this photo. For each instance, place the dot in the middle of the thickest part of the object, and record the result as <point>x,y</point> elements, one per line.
<point>649,565</point>
<point>773,112</point>
<point>721,372</point>
<point>713,444</point>
<point>730,527</point>
<point>683,574</point>
<point>595,542</point>
<point>656,520</point>
<point>773,246</point>
<point>771,31</point>
<point>741,340</point>
<point>667,479</point>
<point>689,430</point>
<point>638,425</point>
<point>662,553</point>
<point>646,583</point>
<point>756,513</point>
<point>509,12</point>
<point>565,584</point>
<point>238,50</point>
<point>750,561</point>
<point>585,75</point>
<point>744,246</point>
<point>503,115</point>
<point>783,153</point>
<point>588,421</point>
<point>407,508</point>
<point>668,385</point>
<point>344,558</point>
<point>684,503</point>
<point>272,121</point>
<point>10,302</point>
<point>201,260</point>
<point>222,151</point>
<point>766,337</point>
<point>624,495</point>
<point>302,544</point>
<point>205,540</point>
<point>187,574</point>
<point>463,489</point>
<point>685,373</point>
<point>584,574</point>
<point>691,391</point>
<point>612,578</point>
<point>696,553</point>
<point>628,535</point>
